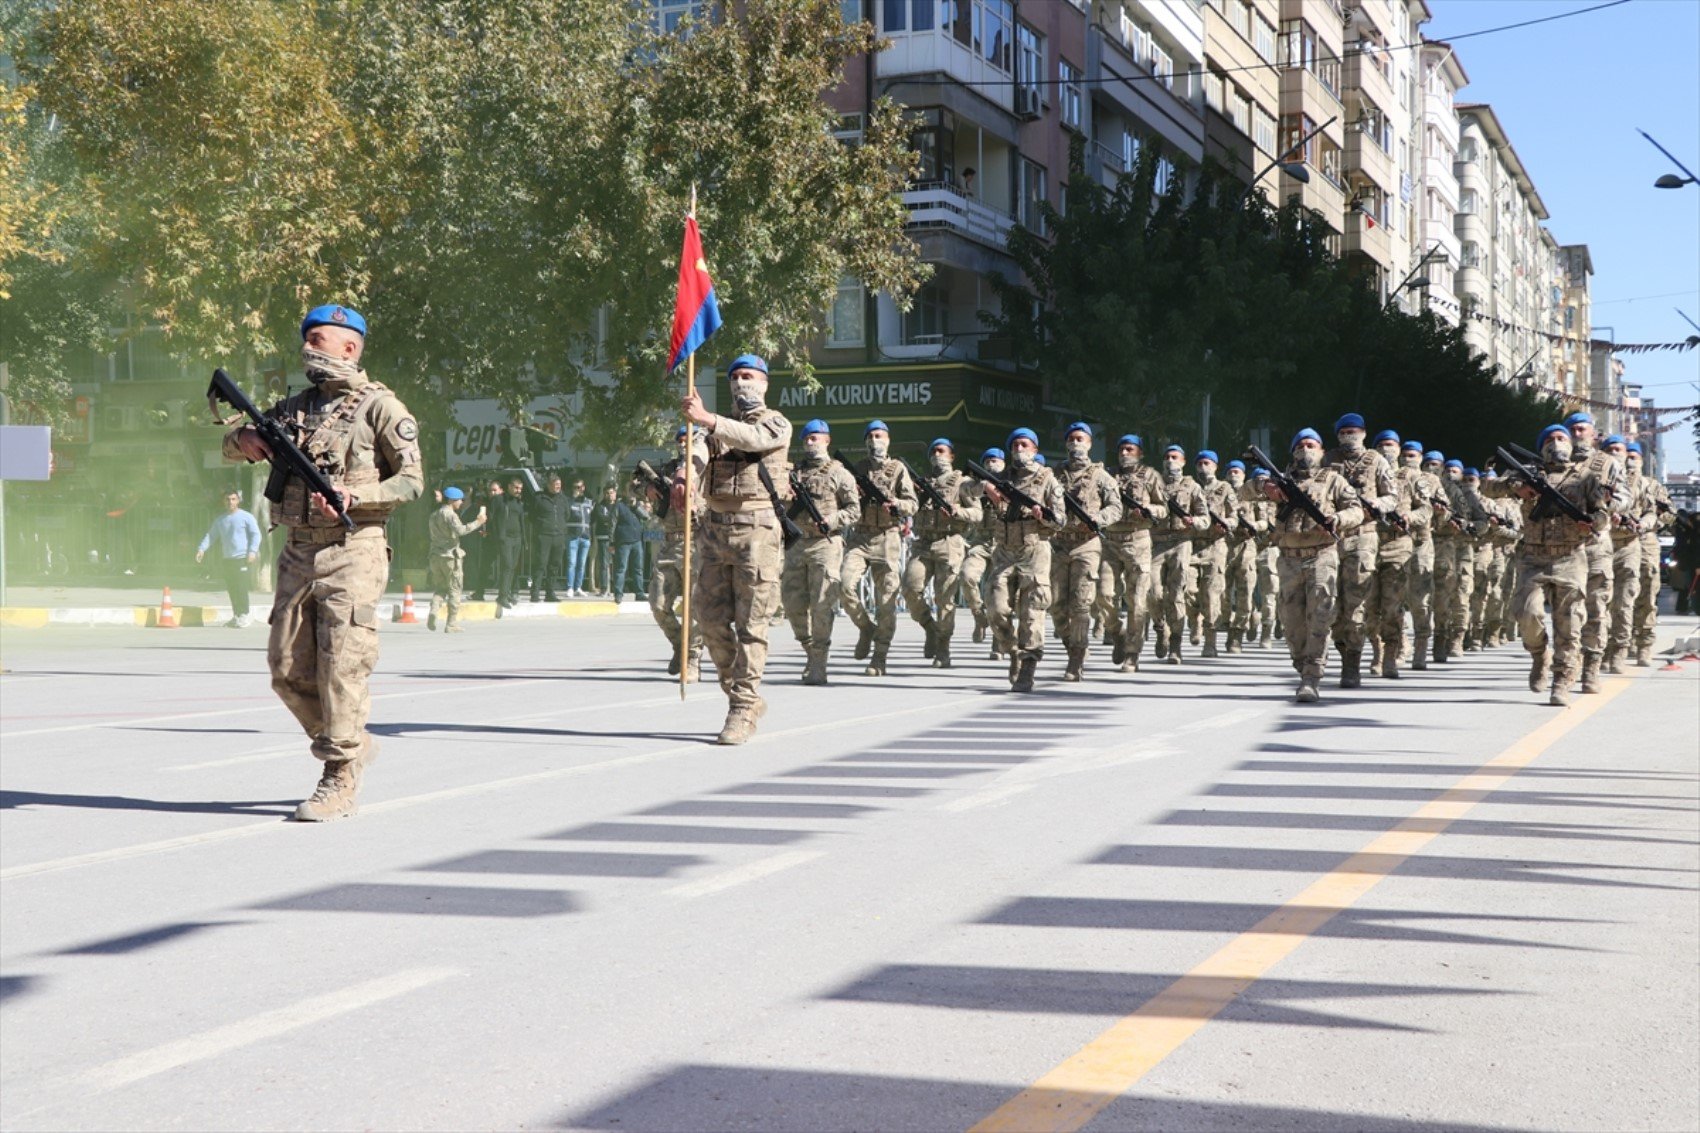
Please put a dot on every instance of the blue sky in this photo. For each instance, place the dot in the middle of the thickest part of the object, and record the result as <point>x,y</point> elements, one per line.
<point>1570,94</point>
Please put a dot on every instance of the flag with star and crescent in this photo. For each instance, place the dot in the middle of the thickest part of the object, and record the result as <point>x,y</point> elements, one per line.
<point>696,315</point>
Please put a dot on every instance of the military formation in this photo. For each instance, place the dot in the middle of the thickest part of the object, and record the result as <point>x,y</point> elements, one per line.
<point>1337,548</point>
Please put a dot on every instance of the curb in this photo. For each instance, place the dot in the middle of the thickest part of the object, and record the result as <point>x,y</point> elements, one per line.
<point>201,617</point>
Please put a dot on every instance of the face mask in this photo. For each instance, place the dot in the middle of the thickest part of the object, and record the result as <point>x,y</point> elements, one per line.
<point>994,466</point>
<point>1583,442</point>
<point>1454,475</point>
<point>1022,459</point>
<point>1129,459</point>
<point>1206,474</point>
<point>814,453</point>
<point>1079,451</point>
<point>1172,470</point>
<point>1557,450</point>
<point>1633,463</point>
<point>878,447</point>
<point>1237,479</point>
<point>322,368</point>
<point>1409,460</point>
<point>941,462</point>
<point>748,394</point>
<point>1472,485</point>
<point>1352,443</point>
<point>1391,453</point>
<point>1307,458</point>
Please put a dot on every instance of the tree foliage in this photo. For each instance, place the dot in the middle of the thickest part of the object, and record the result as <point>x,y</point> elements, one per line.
<point>491,183</point>
<point>1142,302</point>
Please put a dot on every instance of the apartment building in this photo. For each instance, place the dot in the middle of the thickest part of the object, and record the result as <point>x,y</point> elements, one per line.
<point>1313,122</point>
<point>1440,77</point>
<point>1242,87</point>
<point>1570,353</point>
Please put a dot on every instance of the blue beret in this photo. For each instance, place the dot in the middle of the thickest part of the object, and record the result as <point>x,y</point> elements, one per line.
<point>331,315</point>
<point>747,362</point>
<point>1130,439</point>
<point>993,454</point>
<point>816,426</point>
<point>1304,435</point>
<point>453,494</point>
<point>876,423</point>
<point>679,433</point>
<point>1475,473</point>
<point>1207,454</point>
<point>1435,455</point>
<point>1387,435</point>
<point>1019,434</point>
<point>1349,421</point>
<point>945,441</point>
<point>1174,448</point>
<point>1411,446</point>
<point>1578,418</point>
<point>1260,473</point>
<point>1455,463</point>
<point>1233,464</point>
<point>1038,458</point>
<point>1081,426</point>
<point>1634,447</point>
<point>1614,439</point>
<point>1541,440</point>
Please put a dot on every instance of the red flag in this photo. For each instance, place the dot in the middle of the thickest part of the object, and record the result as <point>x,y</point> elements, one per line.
<point>696,315</point>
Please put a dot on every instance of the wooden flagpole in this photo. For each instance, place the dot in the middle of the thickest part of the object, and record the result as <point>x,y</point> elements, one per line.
<point>686,636</point>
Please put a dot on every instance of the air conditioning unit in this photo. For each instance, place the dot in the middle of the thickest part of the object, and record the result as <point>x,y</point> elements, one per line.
<point>1027,102</point>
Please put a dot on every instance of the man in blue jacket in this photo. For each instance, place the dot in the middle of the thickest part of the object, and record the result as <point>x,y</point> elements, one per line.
<point>238,536</point>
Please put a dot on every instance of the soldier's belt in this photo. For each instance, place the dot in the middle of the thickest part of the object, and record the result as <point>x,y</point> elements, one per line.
<point>1305,552</point>
<point>322,535</point>
<point>743,518</point>
<point>1073,537</point>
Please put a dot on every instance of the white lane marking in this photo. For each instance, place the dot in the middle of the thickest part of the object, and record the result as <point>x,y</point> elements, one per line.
<point>759,868</point>
<point>297,748</point>
<point>256,1028</point>
<point>122,852</point>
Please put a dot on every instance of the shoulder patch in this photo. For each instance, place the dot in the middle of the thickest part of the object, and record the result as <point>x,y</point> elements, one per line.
<point>407,429</point>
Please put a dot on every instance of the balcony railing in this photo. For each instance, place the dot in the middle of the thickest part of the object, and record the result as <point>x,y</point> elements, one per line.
<point>937,204</point>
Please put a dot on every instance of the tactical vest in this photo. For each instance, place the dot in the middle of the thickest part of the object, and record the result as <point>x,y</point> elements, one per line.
<point>818,481</point>
<point>1140,485</point>
<point>733,483</point>
<point>930,522</point>
<point>1181,496</point>
<point>886,476</point>
<point>1021,530</point>
<point>327,434</point>
<point>1082,484</point>
<point>1219,497</point>
<point>1359,472</point>
<point>1556,535</point>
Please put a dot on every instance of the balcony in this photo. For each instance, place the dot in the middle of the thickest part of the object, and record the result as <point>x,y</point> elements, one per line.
<point>1104,164</point>
<point>1364,156</point>
<point>939,51</point>
<point>1361,239</point>
<point>1360,72</point>
<point>1117,74</point>
<point>1302,90</point>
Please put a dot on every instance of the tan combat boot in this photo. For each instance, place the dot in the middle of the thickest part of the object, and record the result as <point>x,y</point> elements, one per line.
<point>930,645</point>
<point>1026,666</point>
<point>1591,672</point>
<point>979,628</point>
<point>876,665</point>
<point>1561,680</point>
<point>1612,662</point>
<point>454,627</point>
<point>1209,642</point>
<point>1308,692</point>
<point>739,727</point>
<point>334,797</point>
<point>1540,670</point>
<point>1644,656</point>
<point>1076,665</point>
<point>1419,654</point>
<point>1390,663</point>
<point>674,665</point>
<point>814,669</point>
<point>941,656</point>
<point>864,642</point>
<point>693,668</point>
<point>1351,665</point>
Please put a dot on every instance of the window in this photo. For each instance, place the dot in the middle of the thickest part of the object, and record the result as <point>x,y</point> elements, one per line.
<point>1239,109</point>
<point>1133,37</point>
<point>924,321</point>
<point>669,14</point>
<point>1215,84</point>
<point>1470,255</point>
<point>1165,178</point>
<point>850,10</point>
<point>1263,39</point>
<point>1468,202</point>
<point>996,19</point>
<point>1029,70</point>
<point>1130,149</point>
<point>1301,49</point>
<point>1294,127</point>
<point>1162,66</point>
<point>1263,126</point>
<point>1467,150</point>
<point>1030,194</point>
<point>849,129</point>
<point>1238,13</point>
<point>844,325</point>
<point>1068,90</point>
<point>933,136</point>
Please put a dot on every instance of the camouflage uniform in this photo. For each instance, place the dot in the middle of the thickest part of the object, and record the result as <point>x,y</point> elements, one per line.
<point>446,563</point>
<point>1019,585</point>
<point>1647,598</point>
<point>938,555</point>
<point>1481,558</point>
<point>324,618</point>
<point>1210,559</point>
<point>1124,578</point>
<point>1309,565</point>
<point>1597,599</point>
<point>1368,473</point>
<point>1268,578</point>
<point>1419,569</point>
<point>1244,547</point>
<point>1384,609</point>
<point>875,546</point>
<point>667,584</point>
<point>1077,556</point>
<point>1455,568</point>
<point>810,589</point>
<point>976,557</point>
<point>1171,562</point>
<point>1553,572</point>
<point>1506,533</point>
<point>738,554</point>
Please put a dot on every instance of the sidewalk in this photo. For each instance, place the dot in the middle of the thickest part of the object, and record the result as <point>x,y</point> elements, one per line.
<point>29,607</point>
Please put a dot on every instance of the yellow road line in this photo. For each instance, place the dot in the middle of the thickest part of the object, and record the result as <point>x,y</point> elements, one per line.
<point>1104,1069</point>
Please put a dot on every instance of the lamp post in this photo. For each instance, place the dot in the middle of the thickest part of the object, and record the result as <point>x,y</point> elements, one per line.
<point>1670,180</point>
<point>1413,279</point>
<point>1294,169</point>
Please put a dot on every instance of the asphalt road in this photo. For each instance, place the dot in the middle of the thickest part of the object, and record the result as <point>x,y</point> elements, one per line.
<point>1174,900</point>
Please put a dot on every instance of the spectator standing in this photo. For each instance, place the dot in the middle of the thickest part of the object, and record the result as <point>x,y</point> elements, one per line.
<point>602,539</point>
<point>549,525</point>
<point>483,570</point>
<point>631,516</point>
<point>579,510</point>
<point>507,532</point>
<point>238,536</point>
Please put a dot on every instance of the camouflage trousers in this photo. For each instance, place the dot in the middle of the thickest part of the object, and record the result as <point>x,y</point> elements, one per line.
<point>1384,612</point>
<point>1556,582</point>
<point>1454,580</point>
<point>324,635</point>
<point>1482,595</point>
<point>1625,593</point>
<point>1310,577</point>
<point>879,554</point>
<point>1647,596</point>
<point>810,589</point>
<point>1210,582</point>
<point>1419,588</point>
<point>1124,587</point>
<point>1241,576</point>
<point>975,560</point>
<point>1075,567</point>
<point>667,595</point>
<point>1597,599</point>
<point>1018,595</point>
<point>1171,577</point>
<point>734,596</point>
<point>937,560</point>
<point>1357,570</point>
<point>1268,588</point>
<point>446,576</point>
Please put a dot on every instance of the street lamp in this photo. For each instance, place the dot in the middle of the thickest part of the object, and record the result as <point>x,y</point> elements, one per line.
<point>1294,169</point>
<point>1413,280</point>
<point>1670,180</point>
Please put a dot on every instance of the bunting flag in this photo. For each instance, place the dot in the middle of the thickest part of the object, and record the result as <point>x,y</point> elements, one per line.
<point>1594,345</point>
<point>696,315</point>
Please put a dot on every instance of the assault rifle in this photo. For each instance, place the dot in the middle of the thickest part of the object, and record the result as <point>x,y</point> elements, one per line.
<point>802,499</point>
<point>1551,499</point>
<point>1075,508</point>
<point>663,488</point>
<point>1392,518</point>
<point>870,490</point>
<point>929,493</point>
<point>1297,497</point>
<point>286,456</point>
<point>1016,497</point>
<point>1131,504</point>
<point>789,532</point>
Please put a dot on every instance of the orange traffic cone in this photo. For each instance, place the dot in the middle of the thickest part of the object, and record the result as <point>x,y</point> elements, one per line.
<point>167,616</point>
<point>408,616</point>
